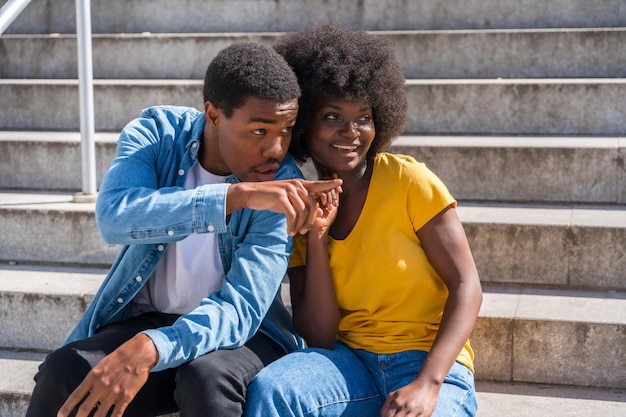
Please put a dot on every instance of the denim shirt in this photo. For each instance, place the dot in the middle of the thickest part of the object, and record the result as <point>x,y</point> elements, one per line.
<point>143,205</point>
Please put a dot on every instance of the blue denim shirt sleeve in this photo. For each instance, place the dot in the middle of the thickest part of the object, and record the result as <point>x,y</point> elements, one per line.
<point>229,318</point>
<point>143,207</point>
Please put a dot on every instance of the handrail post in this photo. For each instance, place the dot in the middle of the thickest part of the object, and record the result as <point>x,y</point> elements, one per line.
<point>85,90</point>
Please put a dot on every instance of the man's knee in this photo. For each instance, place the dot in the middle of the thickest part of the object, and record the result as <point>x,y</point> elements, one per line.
<point>218,380</point>
<point>201,372</point>
<point>64,366</point>
<point>59,374</point>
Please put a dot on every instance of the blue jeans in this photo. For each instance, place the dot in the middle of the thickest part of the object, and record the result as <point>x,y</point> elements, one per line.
<point>349,382</point>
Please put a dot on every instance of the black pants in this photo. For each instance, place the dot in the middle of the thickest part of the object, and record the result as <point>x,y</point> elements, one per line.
<point>212,385</point>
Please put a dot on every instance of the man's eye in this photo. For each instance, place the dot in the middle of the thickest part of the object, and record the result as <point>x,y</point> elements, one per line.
<point>331,116</point>
<point>259,131</point>
<point>288,129</point>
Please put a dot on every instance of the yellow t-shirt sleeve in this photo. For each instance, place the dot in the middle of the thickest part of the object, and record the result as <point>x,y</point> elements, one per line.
<point>426,195</point>
<point>298,255</point>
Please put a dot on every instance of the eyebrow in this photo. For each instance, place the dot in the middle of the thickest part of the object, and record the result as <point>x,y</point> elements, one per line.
<point>269,121</point>
<point>362,108</point>
<point>261,120</point>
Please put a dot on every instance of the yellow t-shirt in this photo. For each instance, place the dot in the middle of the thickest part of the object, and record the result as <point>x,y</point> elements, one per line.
<point>390,296</point>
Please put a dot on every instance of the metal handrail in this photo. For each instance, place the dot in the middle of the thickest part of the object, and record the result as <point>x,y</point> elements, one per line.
<point>8,13</point>
<point>85,91</point>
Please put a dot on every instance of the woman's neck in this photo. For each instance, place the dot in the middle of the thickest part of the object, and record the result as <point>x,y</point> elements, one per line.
<point>357,178</point>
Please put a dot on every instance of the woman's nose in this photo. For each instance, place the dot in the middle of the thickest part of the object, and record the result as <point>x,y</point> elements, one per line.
<point>351,129</point>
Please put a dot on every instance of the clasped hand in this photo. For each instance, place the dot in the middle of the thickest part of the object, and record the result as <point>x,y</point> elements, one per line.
<point>300,200</point>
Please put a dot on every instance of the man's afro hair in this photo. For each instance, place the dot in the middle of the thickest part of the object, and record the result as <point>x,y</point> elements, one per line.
<point>242,70</point>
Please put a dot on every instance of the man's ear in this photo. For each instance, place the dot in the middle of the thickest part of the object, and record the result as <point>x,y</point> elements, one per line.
<point>211,113</point>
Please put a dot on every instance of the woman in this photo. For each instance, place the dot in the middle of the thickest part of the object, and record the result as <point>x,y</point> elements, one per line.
<point>384,287</point>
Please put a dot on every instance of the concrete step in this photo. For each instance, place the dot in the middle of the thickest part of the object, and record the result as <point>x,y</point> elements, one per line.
<point>563,246</point>
<point>583,332</point>
<point>470,106</point>
<point>116,102</point>
<point>245,15</point>
<point>41,304</point>
<point>16,381</point>
<point>525,169</point>
<point>50,228</point>
<point>516,53</point>
<point>566,246</point>
<point>517,106</point>
<point>549,336</point>
<point>531,400</point>
<point>49,160</point>
<point>474,168</point>
<point>494,399</point>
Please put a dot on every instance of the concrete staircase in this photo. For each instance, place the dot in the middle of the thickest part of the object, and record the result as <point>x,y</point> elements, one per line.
<point>519,106</point>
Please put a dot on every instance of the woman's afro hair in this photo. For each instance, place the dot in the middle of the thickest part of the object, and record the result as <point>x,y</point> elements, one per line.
<point>338,61</point>
<point>244,70</point>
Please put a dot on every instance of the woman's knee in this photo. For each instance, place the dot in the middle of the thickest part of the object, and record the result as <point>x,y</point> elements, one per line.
<point>457,396</point>
<point>269,384</point>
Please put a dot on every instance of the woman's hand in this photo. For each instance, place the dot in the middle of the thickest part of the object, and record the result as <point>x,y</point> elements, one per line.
<point>328,203</point>
<point>416,399</point>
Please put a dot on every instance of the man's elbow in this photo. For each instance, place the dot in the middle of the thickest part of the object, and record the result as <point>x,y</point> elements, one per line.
<point>106,223</point>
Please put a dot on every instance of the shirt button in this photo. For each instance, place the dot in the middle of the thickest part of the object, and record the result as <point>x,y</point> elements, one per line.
<point>210,228</point>
<point>160,248</point>
<point>194,145</point>
<point>138,278</point>
<point>170,232</point>
<point>181,172</point>
<point>120,300</point>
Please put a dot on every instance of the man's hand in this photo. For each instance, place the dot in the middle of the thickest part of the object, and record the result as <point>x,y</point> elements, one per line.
<point>115,381</point>
<point>301,201</point>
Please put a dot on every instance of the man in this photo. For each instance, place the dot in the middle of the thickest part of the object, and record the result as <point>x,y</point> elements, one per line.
<point>206,244</point>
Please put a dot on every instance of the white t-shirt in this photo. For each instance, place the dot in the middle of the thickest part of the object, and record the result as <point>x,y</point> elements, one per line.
<point>190,269</point>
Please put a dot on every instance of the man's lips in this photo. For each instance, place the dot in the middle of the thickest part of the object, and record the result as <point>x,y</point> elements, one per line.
<point>267,170</point>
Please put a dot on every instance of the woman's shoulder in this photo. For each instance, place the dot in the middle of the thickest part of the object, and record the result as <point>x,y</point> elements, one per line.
<point>412,176</point>
<point>402,166</point>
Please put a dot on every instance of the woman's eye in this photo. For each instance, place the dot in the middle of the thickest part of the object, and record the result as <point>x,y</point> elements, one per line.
<point>331,116</point>
<point>288,129</point>
<point>259,131</point>
<point>365,118</point>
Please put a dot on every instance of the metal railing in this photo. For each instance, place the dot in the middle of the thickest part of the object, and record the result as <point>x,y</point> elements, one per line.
<point>8,13</point>
<point>85,91</point>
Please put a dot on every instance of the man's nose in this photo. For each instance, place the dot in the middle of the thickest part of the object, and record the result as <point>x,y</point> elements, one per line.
<point>276,148</point>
